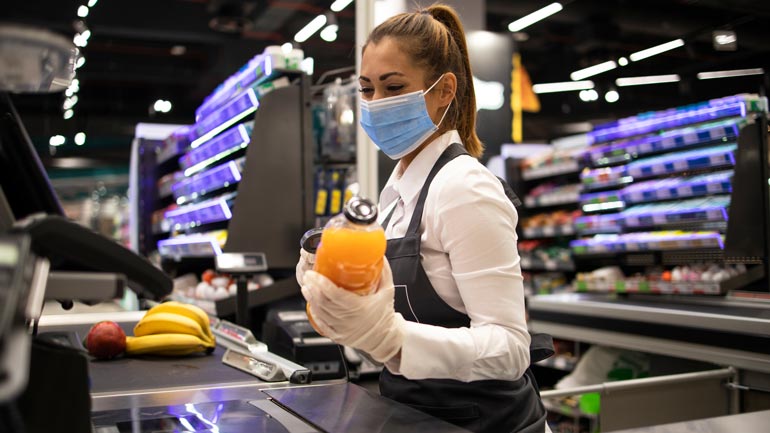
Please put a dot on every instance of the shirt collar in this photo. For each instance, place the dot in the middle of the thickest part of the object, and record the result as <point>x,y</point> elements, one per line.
<point>408,183</point>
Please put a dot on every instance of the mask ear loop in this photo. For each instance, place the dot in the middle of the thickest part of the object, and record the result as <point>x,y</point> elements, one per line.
<point>450,102</point>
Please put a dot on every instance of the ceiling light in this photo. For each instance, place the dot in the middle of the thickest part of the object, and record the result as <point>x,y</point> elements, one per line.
<point>588,95</point>
<point>70,102</point>
<point>593,70</point>
<point>329,33</point>
<point>650,79</point>
<point>732,73</point>
<point>286,48</point>
<point>725,40</point>
<point>339,5</point>
<point>80,62</point>
<point>534,17</point>
<point>92,3</point>
<point>622,61</point>
<point>612,96</point>
<point>57,140</point>
<point>313,26</point>
<point>653,51</point>
<point>162,106</point>
<point>567,86</point>
<point>83,11</point>
<point>68,114</point>
<point>80,138</point>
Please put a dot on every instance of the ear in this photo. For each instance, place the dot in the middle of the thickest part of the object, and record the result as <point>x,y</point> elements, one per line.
<point>447,88</point>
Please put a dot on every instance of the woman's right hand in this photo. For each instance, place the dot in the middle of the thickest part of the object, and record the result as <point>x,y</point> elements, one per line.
<point>305,263</point>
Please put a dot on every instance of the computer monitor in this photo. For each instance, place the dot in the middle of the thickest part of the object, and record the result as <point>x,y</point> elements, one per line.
<point>24,184</point>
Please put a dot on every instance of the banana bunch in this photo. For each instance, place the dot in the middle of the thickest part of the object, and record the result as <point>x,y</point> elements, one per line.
<point>172,329</point>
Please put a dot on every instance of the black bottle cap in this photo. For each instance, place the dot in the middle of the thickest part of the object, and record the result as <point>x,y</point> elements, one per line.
<point>360,211</point>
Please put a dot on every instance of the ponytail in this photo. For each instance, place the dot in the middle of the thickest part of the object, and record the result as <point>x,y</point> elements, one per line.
<point>435,40</point>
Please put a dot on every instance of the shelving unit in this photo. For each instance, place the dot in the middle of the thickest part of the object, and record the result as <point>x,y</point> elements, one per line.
<point>233,181</point>
<point>549,186</point>
<point>664,182</point>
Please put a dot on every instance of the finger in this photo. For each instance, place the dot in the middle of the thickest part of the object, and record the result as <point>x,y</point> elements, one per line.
<point>307,293</point>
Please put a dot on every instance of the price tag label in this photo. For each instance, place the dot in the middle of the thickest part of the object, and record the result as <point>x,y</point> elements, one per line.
<point>715,187</point>
<point>668,143</point>
<point>690,138</point>
<point>680,165</point>
<point>658,169</point>
<point>645,148</point>
<point>684,191</point>
<point>549,231</point>
<point>631,221</point>
<point>718,159</point>
<point>663,193</point>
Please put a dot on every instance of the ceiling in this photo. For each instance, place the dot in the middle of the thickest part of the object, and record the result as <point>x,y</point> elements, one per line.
<point>129,61</point>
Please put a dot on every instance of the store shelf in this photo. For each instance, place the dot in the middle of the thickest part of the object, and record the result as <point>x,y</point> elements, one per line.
<point>602,201</point>
<point>174,145</point>
<point>189,246</point>
<point>732,106</point>
<point>697,210</point>
<point>595,224</point>
<point>232,112</point>
<point>216,149</point>
<point>220,176</point>
<point>647,241</point>
<point>715,157</point>
<point>194,215</point>
<point>668,141</point>
<point>679,188</point>
<point>536,264</point>
<point>548,170</point>
<point>547,231</point>
<point>562,195</point>
<point>673,287</point>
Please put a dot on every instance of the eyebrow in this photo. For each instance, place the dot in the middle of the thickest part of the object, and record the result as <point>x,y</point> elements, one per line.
<point>383,77</point>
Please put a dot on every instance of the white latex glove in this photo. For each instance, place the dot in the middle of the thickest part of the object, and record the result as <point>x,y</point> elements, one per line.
<point>368,323</point>
<point>305,263</point>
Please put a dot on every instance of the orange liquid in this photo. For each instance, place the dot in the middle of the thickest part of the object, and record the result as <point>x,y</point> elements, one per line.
<point>352,259</point>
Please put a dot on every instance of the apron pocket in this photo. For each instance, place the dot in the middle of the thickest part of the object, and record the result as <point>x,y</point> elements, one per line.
<point>464,412</point>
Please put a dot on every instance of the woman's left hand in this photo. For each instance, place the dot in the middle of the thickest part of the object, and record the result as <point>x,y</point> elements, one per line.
<point>367,323</point>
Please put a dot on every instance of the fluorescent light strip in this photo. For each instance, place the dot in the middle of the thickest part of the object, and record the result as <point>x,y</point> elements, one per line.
<point>339,5</point>
<point>538,15</point>
<point>593,70</point>
<point>313,26</point>
<point>650,79</point>
<point>603,206</point>
<point>662,48</point>
<point>566,86</point>
<point>728,74</point>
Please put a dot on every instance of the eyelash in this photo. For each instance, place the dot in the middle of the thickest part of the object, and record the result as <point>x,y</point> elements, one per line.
<point>394,88</point>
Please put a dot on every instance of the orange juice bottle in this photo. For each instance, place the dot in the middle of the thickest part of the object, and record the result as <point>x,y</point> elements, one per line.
<point>352,248</point>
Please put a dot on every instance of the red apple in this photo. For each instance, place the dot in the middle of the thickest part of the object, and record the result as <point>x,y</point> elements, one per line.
<point>106,340</point>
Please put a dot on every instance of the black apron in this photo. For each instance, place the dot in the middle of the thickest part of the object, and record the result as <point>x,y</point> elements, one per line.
<point>493,406</point>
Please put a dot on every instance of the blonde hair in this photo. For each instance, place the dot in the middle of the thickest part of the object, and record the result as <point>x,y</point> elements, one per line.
<point>435,40</point>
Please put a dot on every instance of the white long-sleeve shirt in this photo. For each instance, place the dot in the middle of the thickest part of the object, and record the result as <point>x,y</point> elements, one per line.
<point>469,255</point>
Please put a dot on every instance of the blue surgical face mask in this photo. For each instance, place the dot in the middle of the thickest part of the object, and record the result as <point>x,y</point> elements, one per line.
<point>399,124</point>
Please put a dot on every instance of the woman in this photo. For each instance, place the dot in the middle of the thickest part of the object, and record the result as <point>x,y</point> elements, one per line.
<point>448,320</point>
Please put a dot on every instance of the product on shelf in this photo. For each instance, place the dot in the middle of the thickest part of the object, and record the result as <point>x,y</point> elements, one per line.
<point>214,286</point>
<point>557,223</point>
<point>544,255</point>
<point>703,278</point>
<point>602,223</point>
<point>551,163</point>
<point>644,123</point>
<point>644,241</point>
<point>623,151</point>
<point>549,194</point>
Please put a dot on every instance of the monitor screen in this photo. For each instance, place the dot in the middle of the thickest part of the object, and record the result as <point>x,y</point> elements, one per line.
<point>23,179</point>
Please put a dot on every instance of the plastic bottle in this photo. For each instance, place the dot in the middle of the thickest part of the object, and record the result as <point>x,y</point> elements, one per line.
<point>352,247</point>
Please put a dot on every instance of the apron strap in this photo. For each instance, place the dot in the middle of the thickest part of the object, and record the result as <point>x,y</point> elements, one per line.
<point>453,151</point>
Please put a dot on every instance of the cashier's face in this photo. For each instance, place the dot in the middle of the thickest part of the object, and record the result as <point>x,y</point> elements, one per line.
<point>387,70</point>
